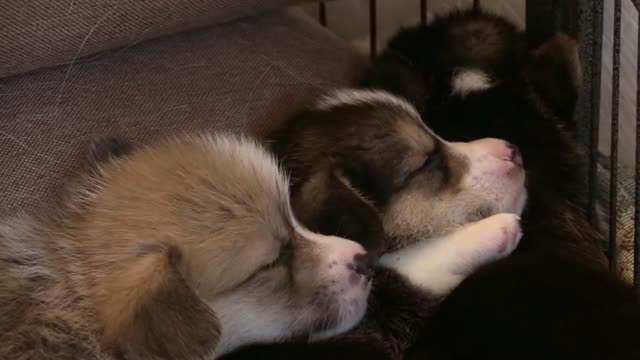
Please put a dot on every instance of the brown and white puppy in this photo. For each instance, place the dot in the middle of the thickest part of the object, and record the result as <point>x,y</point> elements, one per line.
<point>364,166</point>
<point>185,250</point>
<point>366,156</point>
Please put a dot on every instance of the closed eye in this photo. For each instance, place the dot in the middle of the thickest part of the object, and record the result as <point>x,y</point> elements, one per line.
<point>432,161</point>
<point>285,255</point>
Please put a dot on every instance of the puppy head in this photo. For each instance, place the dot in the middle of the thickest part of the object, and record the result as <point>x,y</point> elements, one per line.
<point>364,155</point>
<point>456,54</point>
<point>462,60</point>
<point>194,250</point>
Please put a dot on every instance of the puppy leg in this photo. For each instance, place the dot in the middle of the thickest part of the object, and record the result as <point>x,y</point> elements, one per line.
<point>439,265</point>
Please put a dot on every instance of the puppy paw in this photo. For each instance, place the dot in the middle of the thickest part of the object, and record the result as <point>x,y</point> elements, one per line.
<point>439,265</point>
<point>491,238</point>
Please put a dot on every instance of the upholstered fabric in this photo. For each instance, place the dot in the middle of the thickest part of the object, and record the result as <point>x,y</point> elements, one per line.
<point>625,213</point>
<point>37,33</point>
<point>243,76</point>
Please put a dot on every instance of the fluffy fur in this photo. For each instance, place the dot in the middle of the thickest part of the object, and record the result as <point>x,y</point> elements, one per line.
<point>553,298</point>
<point>364,166</point>
<point>185,249</point>
<point>365,157</point>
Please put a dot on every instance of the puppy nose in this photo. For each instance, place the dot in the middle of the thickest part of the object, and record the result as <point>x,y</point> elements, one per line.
<point>363,265</point>
<point>515,156</point>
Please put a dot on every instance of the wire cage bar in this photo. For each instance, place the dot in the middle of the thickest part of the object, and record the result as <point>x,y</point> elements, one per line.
<point>615,115</point>
<point>636,233</point>
<point>587,117</point>
<point>583,20</point>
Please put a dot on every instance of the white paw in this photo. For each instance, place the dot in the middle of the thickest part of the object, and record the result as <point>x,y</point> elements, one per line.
<point>489,239</point>
<point>439,265</point>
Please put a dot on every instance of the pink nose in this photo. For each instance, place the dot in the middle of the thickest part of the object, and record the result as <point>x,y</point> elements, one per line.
<point>500,149</point>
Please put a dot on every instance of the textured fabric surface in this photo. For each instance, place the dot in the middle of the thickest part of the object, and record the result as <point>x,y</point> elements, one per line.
<point>37,33</point>
<point>625,213</point>
<point>243,76</point>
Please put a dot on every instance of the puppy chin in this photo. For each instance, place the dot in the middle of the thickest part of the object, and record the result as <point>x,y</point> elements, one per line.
<point>348,288</point>
<point>351,308</point>
<point>515,204</point>
<point>496,172</point>
<point>509,193</point>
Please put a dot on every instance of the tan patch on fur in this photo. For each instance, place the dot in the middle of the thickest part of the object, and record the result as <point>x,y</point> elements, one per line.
<point>147,246</point>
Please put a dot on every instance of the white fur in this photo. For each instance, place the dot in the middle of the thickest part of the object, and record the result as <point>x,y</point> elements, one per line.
<point>344,97</point>
<point>439,265</point>
<point>492,175</point>
<point>242,324</point>
<point>466,81</point>
<point>17,240</point>
<point>352,301</point>
<point>249,319</point>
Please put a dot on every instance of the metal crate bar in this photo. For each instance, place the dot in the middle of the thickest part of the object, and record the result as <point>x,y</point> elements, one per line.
<point>373,27</point>
<point>615,115</point>
<point>539,20</point>
<point>423,12</point>
<point>476,4</point>
<point>556,15</point>
<point>636,234</point>
<point>587,115</point>
<point>322,13</point>
<point>546,17</point>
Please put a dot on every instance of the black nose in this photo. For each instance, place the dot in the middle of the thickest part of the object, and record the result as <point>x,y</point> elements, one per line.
<point>516,156</point>
<point>363,265</point>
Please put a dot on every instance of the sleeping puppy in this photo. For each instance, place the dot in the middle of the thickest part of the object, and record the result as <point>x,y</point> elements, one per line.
<point>363,165</point>
<point>471,76</point>
<point>185,249</point>
<point>363,155</point>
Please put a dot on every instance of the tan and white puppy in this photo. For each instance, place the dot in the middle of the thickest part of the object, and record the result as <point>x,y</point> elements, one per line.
<point>185,249</point>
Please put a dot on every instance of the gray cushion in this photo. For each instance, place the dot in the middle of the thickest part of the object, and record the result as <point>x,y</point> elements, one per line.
<point>244,76</point>
<point>625,213</point>
<point>37,33</point>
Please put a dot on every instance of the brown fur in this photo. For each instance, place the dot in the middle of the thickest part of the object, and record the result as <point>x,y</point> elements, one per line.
<point>364,166</point>
<point>148,245</point>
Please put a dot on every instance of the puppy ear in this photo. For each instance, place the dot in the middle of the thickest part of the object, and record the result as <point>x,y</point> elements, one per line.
<point>393,73</point>
<point>553,69</point>
<point>106,149</point>
<point>149,310</point>
<point>328,204</point>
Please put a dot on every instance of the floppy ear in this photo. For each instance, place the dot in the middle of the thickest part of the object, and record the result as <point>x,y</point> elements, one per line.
<point>553,69</point>
<point>105,149</point>
<point>149,310</point>
<point>396,74</point>
<point>328,204</point>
